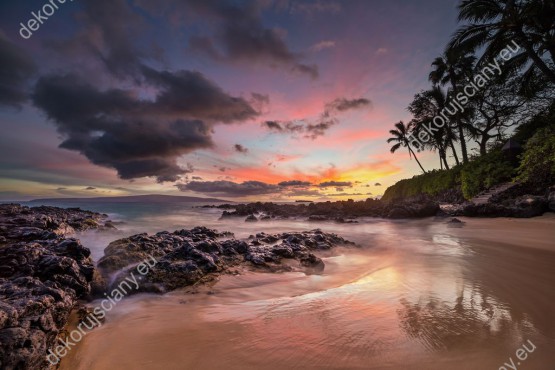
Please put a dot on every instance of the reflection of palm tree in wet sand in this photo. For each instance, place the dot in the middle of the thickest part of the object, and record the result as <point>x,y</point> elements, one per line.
<point>444,325</point>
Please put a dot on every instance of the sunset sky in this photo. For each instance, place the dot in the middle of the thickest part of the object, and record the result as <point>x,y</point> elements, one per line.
<point>243,100</point>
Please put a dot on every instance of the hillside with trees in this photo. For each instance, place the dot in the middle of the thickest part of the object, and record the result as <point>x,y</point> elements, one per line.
<point>469,132</point>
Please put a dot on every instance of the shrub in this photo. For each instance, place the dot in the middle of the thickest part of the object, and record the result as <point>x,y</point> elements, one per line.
<point>477,175</point>
<point>432,183</point>
<point>538,160</point>
<point>528,129</point>
<point>484,172</point>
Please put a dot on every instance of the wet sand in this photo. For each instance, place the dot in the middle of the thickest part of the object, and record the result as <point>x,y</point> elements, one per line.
<point>418,295</point>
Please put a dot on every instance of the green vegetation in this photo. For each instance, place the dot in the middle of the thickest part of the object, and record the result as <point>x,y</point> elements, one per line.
<point>431,183</point>
<point>538,160</point>
<point>484,172</point>
<point>537,165</point>
<point>479,174</point>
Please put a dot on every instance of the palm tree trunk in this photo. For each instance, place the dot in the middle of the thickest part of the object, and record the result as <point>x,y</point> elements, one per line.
<point>454,152</point>
<point>459,123</point>
<point>463,143</point>
<point>417,161</point>
<point>445,162</point>
<point>443,156</point>
<point>483,144</point>
<point>535,57</point>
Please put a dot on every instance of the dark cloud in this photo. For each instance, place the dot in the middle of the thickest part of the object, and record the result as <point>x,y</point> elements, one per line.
<point>377,184</point>
<point>318,127</point>
<point>90,188</point>
<point>119,128</point>
<point>192,94</point>
<point>241,36</point>
<point>273,125</point>
<point>342,104</point>
<point>16,67</point>
<point>139,138</point>
<point>345,194</point>
<point>197,178</point>
<point>229,188</point>
<point>240,148</point>
<point>336,184</point>
<point>294,183</point>
<point>311,130</point>
<point>291,127</point>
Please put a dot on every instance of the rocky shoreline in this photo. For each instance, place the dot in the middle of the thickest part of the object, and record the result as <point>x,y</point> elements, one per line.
<point>517,203</point>
<point>45,272</point>
<point>339,211</point>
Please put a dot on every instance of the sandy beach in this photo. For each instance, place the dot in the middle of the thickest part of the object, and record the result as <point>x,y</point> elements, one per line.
<point>419,295</point>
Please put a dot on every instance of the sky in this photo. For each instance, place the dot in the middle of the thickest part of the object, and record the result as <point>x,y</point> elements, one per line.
<point>242,100</point>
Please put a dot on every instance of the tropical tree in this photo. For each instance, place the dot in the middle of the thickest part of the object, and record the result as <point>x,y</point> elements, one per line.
<point>497,109</point>
<point>453,68</point>
<point>425,106</point>
<point>401,139</point>
<point>495,24</point>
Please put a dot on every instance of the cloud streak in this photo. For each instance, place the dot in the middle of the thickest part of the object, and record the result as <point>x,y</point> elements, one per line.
<point>316,128</point>
<point>336,184</point>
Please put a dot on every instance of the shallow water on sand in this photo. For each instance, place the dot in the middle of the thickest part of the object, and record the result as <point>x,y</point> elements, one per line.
<point>416,295</point>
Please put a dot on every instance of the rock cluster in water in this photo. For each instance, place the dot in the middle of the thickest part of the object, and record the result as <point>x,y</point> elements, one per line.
<point>42,274</point>
<point>187,257</point>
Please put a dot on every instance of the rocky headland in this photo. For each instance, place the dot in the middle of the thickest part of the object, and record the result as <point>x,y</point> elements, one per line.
<point>43,272</point>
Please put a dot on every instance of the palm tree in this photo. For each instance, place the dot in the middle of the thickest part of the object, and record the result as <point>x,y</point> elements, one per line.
<point>425,106</point>
<point>400,137</point>
<point>454,67</point>
<point>498,23</point>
